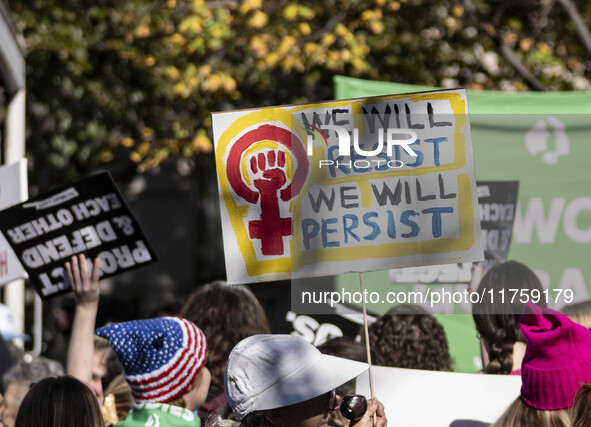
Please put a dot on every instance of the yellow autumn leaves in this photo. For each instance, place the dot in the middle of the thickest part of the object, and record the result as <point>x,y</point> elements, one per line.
<point>203,57</point>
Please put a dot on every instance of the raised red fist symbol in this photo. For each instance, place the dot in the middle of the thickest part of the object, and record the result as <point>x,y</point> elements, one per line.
<point>271,164</point>
<point>269,173</point>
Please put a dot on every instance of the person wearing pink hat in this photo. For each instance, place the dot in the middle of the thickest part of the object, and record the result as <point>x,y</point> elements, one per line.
<point>557,360</point>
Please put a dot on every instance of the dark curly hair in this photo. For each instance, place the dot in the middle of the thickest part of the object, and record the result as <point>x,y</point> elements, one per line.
<point>408,336</point>
<point>497,321</point>
<point>226,314</point>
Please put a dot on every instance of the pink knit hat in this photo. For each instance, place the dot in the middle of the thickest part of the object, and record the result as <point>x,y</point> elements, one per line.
<point>557,358</point>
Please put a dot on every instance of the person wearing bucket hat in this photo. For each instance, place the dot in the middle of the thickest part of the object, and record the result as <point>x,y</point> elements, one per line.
<point>163,362</point>
<point>282,380</point>
<point>557,360</point>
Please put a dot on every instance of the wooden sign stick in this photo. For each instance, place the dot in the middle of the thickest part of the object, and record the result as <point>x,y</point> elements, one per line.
<point>365,328</point>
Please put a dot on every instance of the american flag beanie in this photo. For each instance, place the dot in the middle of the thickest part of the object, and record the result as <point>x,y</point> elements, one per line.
<point>160,357</point>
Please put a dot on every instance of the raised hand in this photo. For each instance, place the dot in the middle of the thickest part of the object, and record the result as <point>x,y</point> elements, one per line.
<point>269,171</point>
<point>84,285</point>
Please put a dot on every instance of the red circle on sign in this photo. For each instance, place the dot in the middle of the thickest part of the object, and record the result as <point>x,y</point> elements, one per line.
<point>267,133</point>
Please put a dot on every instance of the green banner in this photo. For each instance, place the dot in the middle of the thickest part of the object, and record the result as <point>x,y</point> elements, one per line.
<point>540,139</point>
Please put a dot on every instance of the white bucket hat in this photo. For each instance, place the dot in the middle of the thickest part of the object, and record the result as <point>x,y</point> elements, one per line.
<point>273,371</point>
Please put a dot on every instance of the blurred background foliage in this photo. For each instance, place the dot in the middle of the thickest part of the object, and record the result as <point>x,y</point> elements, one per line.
<point>125,85</point>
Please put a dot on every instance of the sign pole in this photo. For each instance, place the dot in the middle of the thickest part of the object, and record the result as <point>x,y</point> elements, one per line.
<point>367,349</point>
<point>365,328</point>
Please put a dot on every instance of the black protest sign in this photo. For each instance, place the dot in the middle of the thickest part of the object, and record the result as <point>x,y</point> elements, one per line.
<point>89,216</point>
<point>497,201</point>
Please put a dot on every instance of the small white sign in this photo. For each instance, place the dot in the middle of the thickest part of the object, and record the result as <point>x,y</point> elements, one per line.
<point>13,190</point>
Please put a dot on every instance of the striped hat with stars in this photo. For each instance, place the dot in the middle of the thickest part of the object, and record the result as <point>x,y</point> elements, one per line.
<point>160,357</point>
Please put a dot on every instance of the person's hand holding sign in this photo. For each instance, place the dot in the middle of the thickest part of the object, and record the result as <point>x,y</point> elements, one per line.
<point>374,416</point>
<point>85,285</point>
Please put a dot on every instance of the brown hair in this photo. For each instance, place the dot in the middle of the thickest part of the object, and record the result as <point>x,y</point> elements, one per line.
<point>519,414</point>
<point>581,410</point>
<point>409,337</point>
<point>497,321</point>
<point>58,402</point>
<point>226,314</point>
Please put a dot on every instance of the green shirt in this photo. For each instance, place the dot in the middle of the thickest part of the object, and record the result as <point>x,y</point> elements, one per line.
<point>160,415</point>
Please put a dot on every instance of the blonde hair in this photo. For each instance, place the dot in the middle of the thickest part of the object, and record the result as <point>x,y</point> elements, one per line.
<point>579,313</point>
<point>519,414</point>
<point>121,392</point>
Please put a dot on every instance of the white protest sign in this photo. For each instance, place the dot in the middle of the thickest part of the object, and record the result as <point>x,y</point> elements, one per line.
<point>416,398</point>
<point>298,201</point>
<point>13,190</point>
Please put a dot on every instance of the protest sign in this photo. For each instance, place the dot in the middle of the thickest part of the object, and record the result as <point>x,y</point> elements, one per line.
<point>416,398</point>
<point>541,140</point>
<point>90,217</point>
<point>355,185</point>
<point>13,190</point>
<point>497,202</point>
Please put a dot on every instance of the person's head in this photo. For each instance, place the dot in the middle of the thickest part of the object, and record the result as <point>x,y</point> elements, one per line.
<point>497,321</point>
<point>282,380</point>
<point>102,349</point>
<point>17,380</point>
<point>579,313</point>
<point>581,410</point>
<point>113,367</point>
<point>226,314</point>
<point>520,414</point>
<point>58,402</point>
<point>557,359</point>
<point>163,360</point>
<point>407,336</point>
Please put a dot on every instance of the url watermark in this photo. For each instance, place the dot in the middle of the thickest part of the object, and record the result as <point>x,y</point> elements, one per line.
<point>432,297</point>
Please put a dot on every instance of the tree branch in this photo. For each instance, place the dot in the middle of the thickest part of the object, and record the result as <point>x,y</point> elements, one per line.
<point>505,49</point>
<point>543,20</point>
<point>577,19</point>
<point>510,56</point>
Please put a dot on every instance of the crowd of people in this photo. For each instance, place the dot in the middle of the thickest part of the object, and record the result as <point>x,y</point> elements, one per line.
<point>216,363</point>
